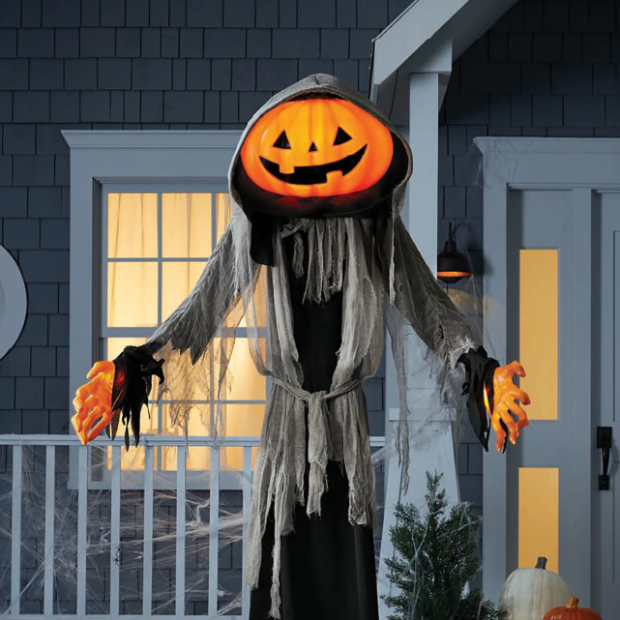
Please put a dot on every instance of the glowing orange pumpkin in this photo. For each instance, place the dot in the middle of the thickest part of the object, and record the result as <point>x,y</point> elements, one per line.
<point>317,147</point>
<point>572,611</point>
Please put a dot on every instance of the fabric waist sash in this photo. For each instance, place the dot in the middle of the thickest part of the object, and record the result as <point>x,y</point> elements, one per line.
<point>320,448</point>
<point>279,475</point>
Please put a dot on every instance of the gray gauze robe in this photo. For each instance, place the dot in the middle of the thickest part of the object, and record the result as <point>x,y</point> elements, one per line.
<point>379,279</point>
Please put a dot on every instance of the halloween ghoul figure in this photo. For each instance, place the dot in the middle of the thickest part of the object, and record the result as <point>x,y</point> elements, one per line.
<point>316,259</point>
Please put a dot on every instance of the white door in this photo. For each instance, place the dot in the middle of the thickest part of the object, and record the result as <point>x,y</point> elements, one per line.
<point>552,295</point>
<point>547,500</point>
<point>606,402</point>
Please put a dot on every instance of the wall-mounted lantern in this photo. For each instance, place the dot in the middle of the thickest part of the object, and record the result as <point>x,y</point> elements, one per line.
<point>451,264</point>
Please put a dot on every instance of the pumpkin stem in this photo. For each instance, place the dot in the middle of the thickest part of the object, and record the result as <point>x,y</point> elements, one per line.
<point>573,603</point>
<point>541,563</point>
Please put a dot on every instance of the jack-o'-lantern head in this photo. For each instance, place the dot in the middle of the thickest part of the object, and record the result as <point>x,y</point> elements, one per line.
<point>317,147</point>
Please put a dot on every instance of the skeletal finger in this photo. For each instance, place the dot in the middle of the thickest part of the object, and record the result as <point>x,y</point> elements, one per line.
<point>519,394</point>
<point>90,420</point>
<point>93,416</point>
<point>86,390</point>
<point>522,424</point>
<point>81,394</point>
<point>513,431</point>
<point>497,427</point>
<point>105,420</point>
<point>518,411</point>
<point>77,425</point>
<point>89,403</point>
<point>76,422</point>
<point>98,367</point>
<point>499,433</point>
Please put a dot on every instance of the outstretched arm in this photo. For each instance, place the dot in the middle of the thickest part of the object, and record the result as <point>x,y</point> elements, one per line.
<point>431,313</point>
<point>123,385</point>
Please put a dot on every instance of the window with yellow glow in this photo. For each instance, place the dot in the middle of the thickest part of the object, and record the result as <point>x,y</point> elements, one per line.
<point>155,246</point>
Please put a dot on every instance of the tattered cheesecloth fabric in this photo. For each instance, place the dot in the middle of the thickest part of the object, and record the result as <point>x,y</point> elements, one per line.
<point>377,268</point>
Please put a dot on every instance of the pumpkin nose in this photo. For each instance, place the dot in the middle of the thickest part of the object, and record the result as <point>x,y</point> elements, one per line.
<point>312,148</point>
<point>287,165</point>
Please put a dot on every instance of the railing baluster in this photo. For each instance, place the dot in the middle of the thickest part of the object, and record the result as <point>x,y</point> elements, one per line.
<point>147,567</point>
<point>247,498</point>
<point>115,528</point>
<point>81,530</point>
<point>180,551</point>
<point>214,523</point>
<point>84,480</point>
<point>16,529</point>
<point>50,490</point>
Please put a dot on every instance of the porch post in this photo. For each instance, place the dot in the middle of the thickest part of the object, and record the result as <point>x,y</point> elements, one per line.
<point>425,93</point>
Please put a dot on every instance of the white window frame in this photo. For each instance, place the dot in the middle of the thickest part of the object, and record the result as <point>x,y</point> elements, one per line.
<point>99,159</point>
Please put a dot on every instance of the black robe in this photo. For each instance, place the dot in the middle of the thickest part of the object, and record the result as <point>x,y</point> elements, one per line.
<point>328,565</point>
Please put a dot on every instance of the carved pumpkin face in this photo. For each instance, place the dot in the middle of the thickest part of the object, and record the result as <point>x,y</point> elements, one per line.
<point>317,147</point>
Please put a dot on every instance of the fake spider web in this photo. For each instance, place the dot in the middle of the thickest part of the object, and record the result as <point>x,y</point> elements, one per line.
<point>129,554</point>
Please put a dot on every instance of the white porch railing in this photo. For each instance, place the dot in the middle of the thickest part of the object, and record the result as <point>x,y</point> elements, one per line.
<point>150,442</point>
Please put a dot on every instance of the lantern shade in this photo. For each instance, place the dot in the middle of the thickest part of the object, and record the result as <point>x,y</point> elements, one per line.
<point>451,264</point>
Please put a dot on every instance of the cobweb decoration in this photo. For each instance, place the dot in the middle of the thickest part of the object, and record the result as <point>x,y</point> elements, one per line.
<point>129,554</point>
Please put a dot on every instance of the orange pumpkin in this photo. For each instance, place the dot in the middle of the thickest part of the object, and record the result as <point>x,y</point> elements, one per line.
<point>317,147</point>
<point>572,611</point>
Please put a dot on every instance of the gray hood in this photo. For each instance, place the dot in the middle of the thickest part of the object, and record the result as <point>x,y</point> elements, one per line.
<point>249,236</point>
<point>327,84</point>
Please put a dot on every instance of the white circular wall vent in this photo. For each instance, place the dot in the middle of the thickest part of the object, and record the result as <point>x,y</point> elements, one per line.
<point>13,302</point>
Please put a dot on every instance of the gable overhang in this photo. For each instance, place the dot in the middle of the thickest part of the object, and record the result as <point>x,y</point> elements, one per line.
<point>427,37</point>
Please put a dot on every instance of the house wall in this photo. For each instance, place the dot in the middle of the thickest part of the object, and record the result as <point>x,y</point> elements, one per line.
<point>139,64</point>
<point>547,68</point>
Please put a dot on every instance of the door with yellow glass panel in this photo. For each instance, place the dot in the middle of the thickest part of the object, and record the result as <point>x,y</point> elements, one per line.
<point>546,504</point>
<point>155,243</point>
<point>563,317</point>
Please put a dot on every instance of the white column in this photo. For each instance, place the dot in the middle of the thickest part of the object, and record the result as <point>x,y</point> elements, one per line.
<point>436,454</point>
<point>424,142</point>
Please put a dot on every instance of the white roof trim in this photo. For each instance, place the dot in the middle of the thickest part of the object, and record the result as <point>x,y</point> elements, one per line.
<point>463,21</point>
<point>408,32</point>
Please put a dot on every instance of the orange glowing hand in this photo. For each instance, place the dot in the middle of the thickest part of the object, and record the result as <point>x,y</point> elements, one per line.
<point>505,395</point>
<point>94,400</point>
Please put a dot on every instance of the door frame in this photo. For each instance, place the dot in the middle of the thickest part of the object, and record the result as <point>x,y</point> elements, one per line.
<point>586,166</point>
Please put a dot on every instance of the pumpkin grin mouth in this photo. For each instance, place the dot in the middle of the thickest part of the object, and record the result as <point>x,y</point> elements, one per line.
<point>314,175</point>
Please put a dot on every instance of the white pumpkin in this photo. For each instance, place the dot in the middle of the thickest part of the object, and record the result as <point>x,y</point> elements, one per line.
<point>529,593</point>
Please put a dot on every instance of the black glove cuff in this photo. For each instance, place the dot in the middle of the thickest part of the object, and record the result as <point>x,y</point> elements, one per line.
<point>134,369</point>
<point>480,369</point>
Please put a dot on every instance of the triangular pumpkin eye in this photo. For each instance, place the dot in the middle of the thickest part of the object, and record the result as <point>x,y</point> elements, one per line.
<point>341,137</point>
<point>282,141</point>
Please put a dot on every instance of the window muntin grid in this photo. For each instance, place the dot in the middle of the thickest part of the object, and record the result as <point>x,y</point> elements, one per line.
<point>166,255</point>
